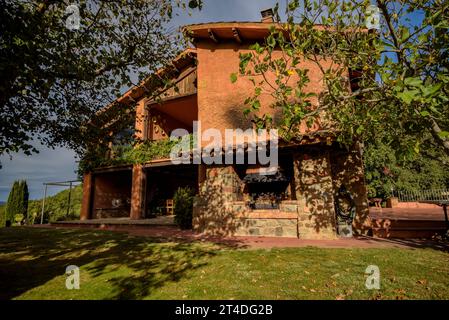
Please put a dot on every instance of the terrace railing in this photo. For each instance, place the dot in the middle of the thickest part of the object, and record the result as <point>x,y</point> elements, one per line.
<point>422,195</point>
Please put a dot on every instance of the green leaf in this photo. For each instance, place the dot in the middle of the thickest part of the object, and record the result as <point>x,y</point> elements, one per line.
<point>271,41</point>
<point>416,147</point>
<point>233,77</point>
<point>405,34</point>
<point>408,95</point>
<point>256,105</point>
<point>413,81</point>
<point>443,134</point>
<point>431,90</point>
<point>293,5</point>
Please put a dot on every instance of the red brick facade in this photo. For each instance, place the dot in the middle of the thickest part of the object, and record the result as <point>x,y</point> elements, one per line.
<point>207,95</point>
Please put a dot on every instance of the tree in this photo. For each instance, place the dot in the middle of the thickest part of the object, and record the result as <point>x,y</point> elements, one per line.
<point>393,79</point>
<point>11,204</point>
<point>24,196</point>
<point>2,216</point>
<point>61,63</point>
<point>384,172</point>
<point>17,203</point>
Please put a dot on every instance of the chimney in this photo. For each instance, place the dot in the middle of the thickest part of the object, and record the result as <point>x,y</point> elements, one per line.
<point>267,15</point>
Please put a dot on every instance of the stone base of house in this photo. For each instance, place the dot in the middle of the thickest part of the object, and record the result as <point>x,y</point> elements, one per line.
<point>266,224</point>
<point>268,228</point>
<point>224,205</point>
<point>318,174</point>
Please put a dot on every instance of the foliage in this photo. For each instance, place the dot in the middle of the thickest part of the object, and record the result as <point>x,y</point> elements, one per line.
<point>115,265</point>
<point>56,206</point>
<point>386,171</point>
<point>56,77</point>
<point>147,151</point>
<point>127,154</point>
<point>183,207</point>
<point>400,80</point>
<point>2,216</point>
<point>17,204</point>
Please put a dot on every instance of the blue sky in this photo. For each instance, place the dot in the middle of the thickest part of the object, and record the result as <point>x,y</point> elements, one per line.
<point>59,164</point>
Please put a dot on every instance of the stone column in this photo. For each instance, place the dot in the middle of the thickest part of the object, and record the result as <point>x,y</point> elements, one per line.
<point>86,205</point>
<point>347,170</point>
<point>314,190</point>
<point>138,192</point>
<point>212,211</point>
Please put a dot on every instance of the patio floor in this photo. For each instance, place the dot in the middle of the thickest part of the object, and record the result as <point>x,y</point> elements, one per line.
<point>157,221</point>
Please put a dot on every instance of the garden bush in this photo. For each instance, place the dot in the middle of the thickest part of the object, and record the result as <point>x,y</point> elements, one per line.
<point>183,207</point>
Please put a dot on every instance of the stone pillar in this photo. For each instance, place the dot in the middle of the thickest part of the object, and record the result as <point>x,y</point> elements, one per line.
<point>86,205</point>
<point>212,209</point>
<point>347,170</point>
<point>314,190</point>
<point>138,192</point>
<point>392,202</point>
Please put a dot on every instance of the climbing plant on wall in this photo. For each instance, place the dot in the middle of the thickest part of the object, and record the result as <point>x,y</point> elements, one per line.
<point>128,154</point>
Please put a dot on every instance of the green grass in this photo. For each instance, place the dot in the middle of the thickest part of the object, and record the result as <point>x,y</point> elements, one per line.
<point>118,266</point>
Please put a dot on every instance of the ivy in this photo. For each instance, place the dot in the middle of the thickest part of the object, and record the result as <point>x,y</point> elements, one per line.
<point>128,154</point>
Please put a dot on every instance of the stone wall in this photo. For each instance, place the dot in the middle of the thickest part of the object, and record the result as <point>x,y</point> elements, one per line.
<point>314,191</point>
<point>347,170</point>
<point>272,223</point>
<point>318,173</point>
<point>268,227</point>
<point>212,208</point>
<point>217,210</point>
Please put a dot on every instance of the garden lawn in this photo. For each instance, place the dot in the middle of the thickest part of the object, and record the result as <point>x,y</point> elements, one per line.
<point>118,266</point>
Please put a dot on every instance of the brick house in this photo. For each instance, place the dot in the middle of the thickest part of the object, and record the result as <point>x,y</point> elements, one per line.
<point>229,198</point>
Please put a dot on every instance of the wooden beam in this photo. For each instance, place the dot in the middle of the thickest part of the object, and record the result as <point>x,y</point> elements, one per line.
<point>144,86</point>
<point>175,67</point>
<point>236,35</point>
<point>212,35</point>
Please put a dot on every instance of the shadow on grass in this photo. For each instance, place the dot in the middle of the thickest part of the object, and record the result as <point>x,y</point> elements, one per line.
<point>31,257</point>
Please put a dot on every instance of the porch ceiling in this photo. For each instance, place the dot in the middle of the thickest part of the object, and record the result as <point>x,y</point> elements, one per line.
<point>184,109</point>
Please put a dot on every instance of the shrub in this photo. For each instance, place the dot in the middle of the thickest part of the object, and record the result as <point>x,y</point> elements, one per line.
<point>19,219</point>
<point>17,203</point>
<point>2,216</point>
<point>183,207</point>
